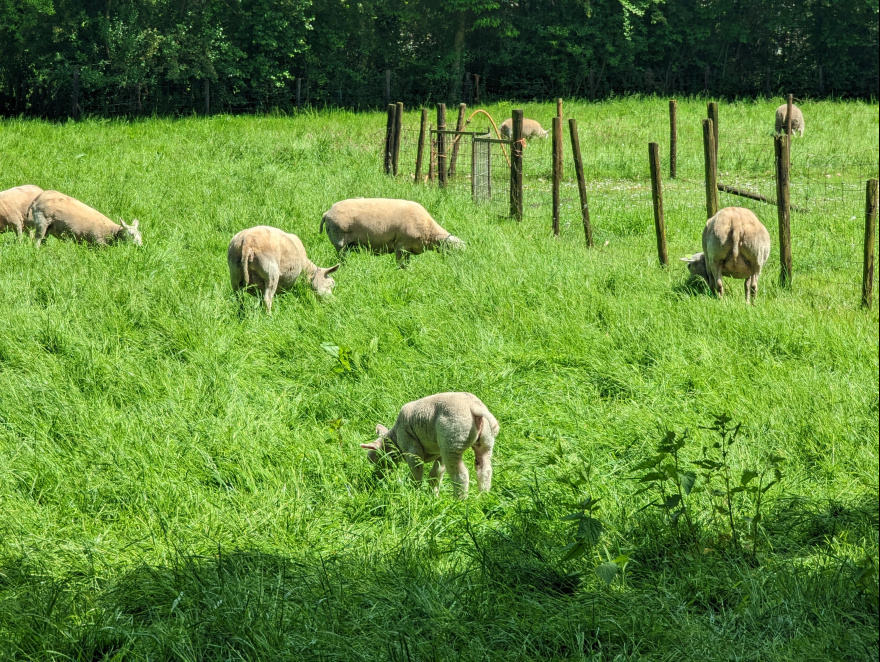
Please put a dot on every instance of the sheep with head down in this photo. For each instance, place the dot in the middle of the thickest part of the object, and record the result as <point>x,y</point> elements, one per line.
<point>530,129</point>
<point>736,244</point>
<point>797,119</point>
<point>437,430</point>
<point>385,225</point>
<point>59,215</point>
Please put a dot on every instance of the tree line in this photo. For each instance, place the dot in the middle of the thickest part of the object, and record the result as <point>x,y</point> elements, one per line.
<point>175,56</point>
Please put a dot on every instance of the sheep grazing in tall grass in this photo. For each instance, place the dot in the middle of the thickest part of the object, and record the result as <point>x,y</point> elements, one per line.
<point>797,119</point>
<point>269,260</point>
<point>59,215</point>
<point>530,129</point>
<point>385,225</point>
<point>438,429</point>
<point>735,244</point>
<point>14,204</point>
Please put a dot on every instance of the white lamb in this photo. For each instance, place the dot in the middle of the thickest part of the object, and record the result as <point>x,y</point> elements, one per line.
<point>530,129</point>
<point>797,119</point>
<point>439,429</point>
<point>735,244</point>
<point>59,215</point>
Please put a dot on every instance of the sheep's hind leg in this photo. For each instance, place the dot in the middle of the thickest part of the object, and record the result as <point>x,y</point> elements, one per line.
<point>436,475</point>
<point>458,474</point>
<point>483,464</point>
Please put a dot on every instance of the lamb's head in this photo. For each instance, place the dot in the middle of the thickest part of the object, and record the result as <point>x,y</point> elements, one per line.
<point>697,266</point>
<point>545,134</point>
<point>130,233</point>
<point>321,281</point>
<point>452,243</point>
<point>382,453</point>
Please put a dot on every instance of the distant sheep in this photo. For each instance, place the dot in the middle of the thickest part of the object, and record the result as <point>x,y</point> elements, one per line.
<point>797,119</point>
<point>439,429</point>
<point>270,259</point>
<point>59,215</point>
<point>530,129</point>
<point>14,203</point>
<point>735,244</point>
<point>385,225</point>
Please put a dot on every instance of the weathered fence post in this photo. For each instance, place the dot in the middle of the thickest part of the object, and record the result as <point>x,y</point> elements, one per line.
<point>74,97</point>
<point>473,168</point>
<point>468,76</point>
<point>712,114</point>
<point>423,129</point>
<point>673,137</point>
<point>477,83</point>
<point>557,166</point>
<point>207,97</point>
<point>459,126</point>
<point>388,86</point>
<point>788,106</point>
<point>711,169</point>
<point>516,166</point>
<point>441,144</point>
<point>657,198</point>
<point>783,206</point>
<point>592,85</point>
<point>558,107</point>
<point>398,132</point>
<point>432,157</point>
<point>389,136</point>
<point>582,184</point>
<point>871,194</point>
<point>299,93</point>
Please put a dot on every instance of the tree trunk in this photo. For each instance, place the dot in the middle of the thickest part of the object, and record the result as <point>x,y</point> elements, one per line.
<point>457,64</point>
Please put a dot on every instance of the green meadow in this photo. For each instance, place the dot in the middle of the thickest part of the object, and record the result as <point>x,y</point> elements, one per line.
<point>181,476</point>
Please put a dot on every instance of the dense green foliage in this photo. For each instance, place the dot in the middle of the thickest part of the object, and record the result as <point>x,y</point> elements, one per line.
<point>182,481</point>
<point>140,56</point>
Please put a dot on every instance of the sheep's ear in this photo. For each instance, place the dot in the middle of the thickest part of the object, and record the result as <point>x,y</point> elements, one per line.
<point>372,446</point>
<point>686,259</point>
<point>134,224</point>
<point>122,223</point>
<point>381,430</point>
<point>331,270</point>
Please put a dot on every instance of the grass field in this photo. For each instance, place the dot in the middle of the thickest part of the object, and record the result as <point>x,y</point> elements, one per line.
<point>182,481</point>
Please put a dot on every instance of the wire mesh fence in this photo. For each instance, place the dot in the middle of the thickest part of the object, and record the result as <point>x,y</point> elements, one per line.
<point>827,193</point>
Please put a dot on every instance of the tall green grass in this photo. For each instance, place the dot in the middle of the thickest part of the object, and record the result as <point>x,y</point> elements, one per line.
<point>171,487</point>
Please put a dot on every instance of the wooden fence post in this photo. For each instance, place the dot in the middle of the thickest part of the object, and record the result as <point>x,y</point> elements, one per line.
<point>557,166</point>
<point>871,194</point>
<point>468,81</point>
<point>423,130</point>
<point>389,136</point>
<point>74,97</point>
<point>299,93</point>
<point>441,144</point>
<point>388,86</point>
<point>592,85</point>
<point>711,169</point>
<point>398,132</point>
<point>582,184</point>
<point>783,207</point>
<point>657,198</point>
<point>558,107</point>
<point>473,169</point>
<point>673,137</point>
<point>712,114</point>
<point>516,166</point>
<point>207,97</point>
<point>477,82</point>
<point>459,126</point>
<point>432,157</point>
<point>788,106</point>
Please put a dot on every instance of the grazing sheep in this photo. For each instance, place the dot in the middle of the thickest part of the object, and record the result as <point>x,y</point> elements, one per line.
<point>439,429</point>
<point>59,215</point>
<point>271,259</point>
<point>735,244</point>
<point>14,203</point>
<point>531,129</point>
<point>797,119</point>
<point>385,225</point>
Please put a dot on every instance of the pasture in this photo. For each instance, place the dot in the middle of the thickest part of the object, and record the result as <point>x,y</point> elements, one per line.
<point>182,480</point>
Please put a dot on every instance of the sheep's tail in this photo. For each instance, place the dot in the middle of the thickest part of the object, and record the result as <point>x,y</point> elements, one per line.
<point>321,227</point>
<point>247,254</point>
<point>737,237</point>
<point>485,423</point>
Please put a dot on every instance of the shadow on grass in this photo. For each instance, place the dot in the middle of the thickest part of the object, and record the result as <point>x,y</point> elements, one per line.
<point>497,595</point>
